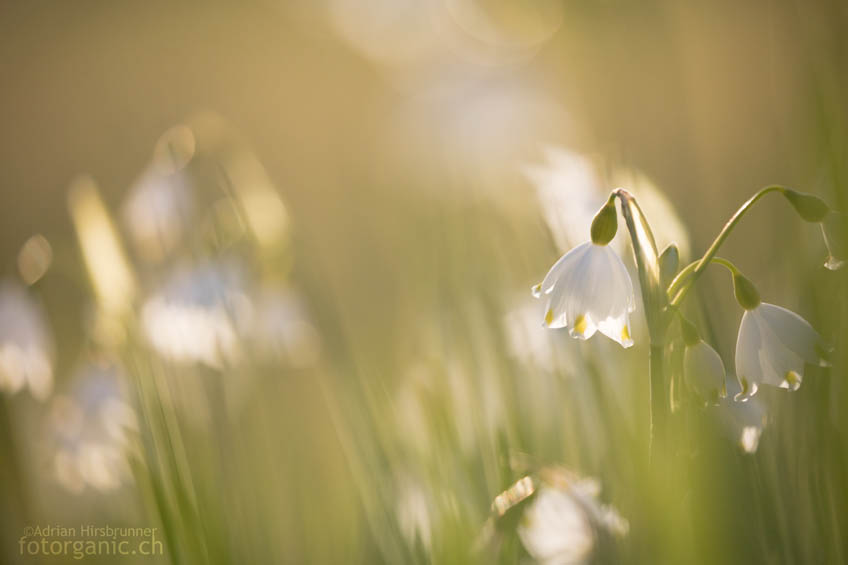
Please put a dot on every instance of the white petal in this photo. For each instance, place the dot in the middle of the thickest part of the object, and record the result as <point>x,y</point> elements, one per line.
<point>763,350</point>
<point>599,289</point>
<point>589,290</point>
<point>704,371</point>
<point>793,331</point>
<point>583,327</point>
<point>617,329</point>
<point>556,272</point>
<point>748,344</point>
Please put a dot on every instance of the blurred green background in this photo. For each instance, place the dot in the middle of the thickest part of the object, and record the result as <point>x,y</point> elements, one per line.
<point>309,336</point>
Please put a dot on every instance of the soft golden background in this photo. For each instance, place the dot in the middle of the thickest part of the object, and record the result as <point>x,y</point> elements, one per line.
<point>398,134</point>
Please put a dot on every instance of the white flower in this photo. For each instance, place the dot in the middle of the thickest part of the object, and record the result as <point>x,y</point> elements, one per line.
<point>569,191</point>
<point>589,289</point>
<point>773,347</point>
<point>26,348</point>
<point>157,212</point>
<point>91,427</point>
<point>194,316</point>
<point>555,529</point>
<point>704,371</point>
<point>565,522</point>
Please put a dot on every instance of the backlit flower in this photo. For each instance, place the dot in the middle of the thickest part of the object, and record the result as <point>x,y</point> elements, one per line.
<point>589,290</point>
<point>773,347</point>
<point>704,371</point>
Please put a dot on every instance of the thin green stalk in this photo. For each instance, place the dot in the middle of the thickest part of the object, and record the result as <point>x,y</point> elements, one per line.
<point>659,397</point>
<point>688,269</point>
<point>684,279</point>
<point>655,301</point>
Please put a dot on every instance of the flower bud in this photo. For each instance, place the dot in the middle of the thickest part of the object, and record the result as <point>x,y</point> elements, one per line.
<point>669,261</point>
<point>810,207</point>
<point>746,293</point>
<point>605,224</point>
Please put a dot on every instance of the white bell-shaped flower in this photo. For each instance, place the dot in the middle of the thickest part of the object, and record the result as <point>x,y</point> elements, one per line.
<point>589,290</point>
<point>773,347</point>
<point>703,370</point>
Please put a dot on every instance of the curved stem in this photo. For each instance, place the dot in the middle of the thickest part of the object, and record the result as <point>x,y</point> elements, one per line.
<point>727,264</point>
<point>702,263</point>
<point>687,270</point>
<point>681,277</point>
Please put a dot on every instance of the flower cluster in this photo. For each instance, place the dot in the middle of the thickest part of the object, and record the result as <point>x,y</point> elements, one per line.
<point>589,290</point>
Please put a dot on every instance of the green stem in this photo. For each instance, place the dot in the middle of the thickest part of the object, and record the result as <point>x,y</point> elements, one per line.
<point>654,300</point>
<point>687,270</point>
<point>659,399</point>
<point>685,281</point>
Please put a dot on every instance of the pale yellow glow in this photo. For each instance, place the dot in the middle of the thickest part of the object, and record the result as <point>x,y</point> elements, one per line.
<point>104,256</point>
<point>263,208</point>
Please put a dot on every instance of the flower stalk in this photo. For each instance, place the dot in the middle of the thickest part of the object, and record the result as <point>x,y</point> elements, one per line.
<point>687,277</point>
<point>656,311</point>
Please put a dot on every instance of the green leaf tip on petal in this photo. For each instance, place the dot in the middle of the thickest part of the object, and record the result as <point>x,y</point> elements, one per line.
<point>605,224</point>
<point>746,293</point>
<point>669,261</point>
<point>809,206</point>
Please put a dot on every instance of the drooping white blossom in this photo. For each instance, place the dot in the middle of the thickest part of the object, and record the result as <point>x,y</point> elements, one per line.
<point>773,347</point>
<point>704,372</point>
<point>589,290</point>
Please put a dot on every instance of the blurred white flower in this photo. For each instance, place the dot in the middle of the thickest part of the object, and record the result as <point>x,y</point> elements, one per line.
<point>569,191</point>
<point>414,514</point>
<point>589,289</point>
<point>157,212</point>
<point>744,421</point>
<point>562,524</point>
<point>555,529</point>
<point>703,370</point>
<point>773,346</point>
<point>26,348</point>
<point>195,315</point>
<point>442,39</point>
<point>90,429</point>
